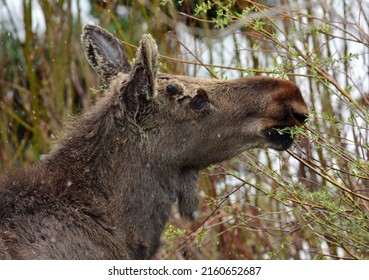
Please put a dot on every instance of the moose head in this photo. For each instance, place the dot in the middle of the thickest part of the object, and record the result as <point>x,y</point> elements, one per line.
<point>194,122</point>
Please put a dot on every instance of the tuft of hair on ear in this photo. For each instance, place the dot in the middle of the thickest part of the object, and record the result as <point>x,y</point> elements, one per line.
<point>141,86</point>
<point>104,52</point>
<point>145,68</point>
<point>149,49</point>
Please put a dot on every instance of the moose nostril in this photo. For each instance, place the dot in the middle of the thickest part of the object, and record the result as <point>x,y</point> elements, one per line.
<point>300,117</point>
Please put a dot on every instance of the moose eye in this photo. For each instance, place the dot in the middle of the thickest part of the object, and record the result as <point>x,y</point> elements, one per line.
<point>198,102</point>
<point>173,89</point>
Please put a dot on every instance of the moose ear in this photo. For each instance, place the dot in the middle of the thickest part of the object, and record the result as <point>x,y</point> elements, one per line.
<point>104,52</point>
<point>142,81</point>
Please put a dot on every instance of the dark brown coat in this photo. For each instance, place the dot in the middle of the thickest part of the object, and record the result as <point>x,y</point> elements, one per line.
<point>106,189</point>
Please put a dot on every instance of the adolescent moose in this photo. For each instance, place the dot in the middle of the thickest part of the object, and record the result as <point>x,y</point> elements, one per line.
<point>106,189</point>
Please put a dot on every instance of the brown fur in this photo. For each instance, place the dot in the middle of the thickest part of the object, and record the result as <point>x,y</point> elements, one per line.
<point>106,189</point>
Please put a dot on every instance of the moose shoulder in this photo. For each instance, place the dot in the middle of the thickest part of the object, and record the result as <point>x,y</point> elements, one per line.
<point>106,189</point>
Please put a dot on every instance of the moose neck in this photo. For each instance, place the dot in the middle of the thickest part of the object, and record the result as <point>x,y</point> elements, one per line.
<point>135,189</point>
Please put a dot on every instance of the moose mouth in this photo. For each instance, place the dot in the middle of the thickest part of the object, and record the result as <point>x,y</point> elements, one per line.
<point>279,137</point>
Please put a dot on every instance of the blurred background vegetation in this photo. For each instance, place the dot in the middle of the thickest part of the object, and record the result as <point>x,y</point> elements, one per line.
<point>310,202</point>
